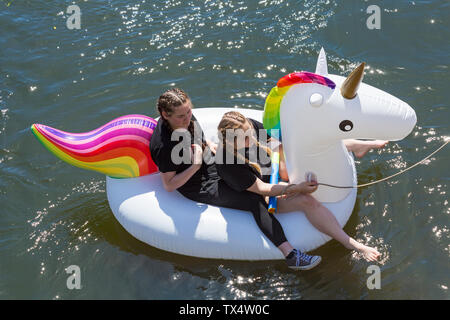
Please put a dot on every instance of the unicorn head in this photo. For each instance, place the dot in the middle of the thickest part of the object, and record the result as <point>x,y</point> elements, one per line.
<point>316,111</point>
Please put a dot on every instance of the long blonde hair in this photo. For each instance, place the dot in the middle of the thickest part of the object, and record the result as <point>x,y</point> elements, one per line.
<point>235,120</point>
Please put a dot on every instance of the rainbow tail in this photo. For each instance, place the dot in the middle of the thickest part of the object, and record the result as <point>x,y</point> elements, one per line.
<point>119,149</point>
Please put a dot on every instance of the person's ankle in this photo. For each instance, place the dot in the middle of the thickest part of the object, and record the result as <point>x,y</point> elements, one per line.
<point>291,254</point>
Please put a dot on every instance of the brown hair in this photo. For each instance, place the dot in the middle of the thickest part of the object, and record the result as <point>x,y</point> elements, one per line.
<point>235,120</point>
<point>170,100</point>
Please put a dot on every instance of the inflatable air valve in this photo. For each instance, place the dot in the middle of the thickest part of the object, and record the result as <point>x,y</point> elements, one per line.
<point>310,177</point>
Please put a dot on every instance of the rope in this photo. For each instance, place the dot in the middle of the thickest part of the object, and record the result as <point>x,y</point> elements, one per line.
<point>396,174</point>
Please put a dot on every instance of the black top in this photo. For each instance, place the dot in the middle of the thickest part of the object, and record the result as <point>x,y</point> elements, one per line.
<point>241,176</point>
<point>161,149</point>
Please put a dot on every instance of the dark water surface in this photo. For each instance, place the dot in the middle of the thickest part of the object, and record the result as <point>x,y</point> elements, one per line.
<point>223,53</point>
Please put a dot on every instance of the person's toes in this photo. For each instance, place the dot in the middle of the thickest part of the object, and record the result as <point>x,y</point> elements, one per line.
<point>360,153</point>
<point>382,143</point>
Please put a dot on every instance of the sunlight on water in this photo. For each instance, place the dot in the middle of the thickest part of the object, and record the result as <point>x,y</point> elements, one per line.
<point>51,232</point>
<point>224,54</point>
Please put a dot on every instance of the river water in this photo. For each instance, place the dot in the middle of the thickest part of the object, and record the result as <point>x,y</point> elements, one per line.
<point>224,54</point>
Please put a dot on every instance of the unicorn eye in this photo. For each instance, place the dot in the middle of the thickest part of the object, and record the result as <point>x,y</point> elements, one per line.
<point>346,125</point>
<point>316,100</point>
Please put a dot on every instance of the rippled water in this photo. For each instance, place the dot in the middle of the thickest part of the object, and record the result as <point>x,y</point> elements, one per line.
<point>223,53</point>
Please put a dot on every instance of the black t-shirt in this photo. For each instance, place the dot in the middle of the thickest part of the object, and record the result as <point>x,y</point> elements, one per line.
<point>241,176</point>
<point>161,147</point>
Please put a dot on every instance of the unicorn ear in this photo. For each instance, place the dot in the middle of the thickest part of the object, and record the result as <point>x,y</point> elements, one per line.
<point>321,66</point>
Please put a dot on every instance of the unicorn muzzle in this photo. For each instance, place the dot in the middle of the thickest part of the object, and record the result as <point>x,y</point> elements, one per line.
<point>373,113</point>
<point>392,123</point>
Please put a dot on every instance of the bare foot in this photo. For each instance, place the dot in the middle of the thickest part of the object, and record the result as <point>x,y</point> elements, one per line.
<point>369,253</point>
<point>362,147</point>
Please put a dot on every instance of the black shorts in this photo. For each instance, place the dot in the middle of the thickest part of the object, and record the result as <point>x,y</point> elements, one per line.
<point>216,192</point>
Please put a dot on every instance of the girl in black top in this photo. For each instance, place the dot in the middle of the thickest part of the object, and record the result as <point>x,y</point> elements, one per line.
<point>247,177</point>
<point>199,181</point>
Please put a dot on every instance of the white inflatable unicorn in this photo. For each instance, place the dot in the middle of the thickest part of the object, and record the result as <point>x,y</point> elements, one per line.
<point>314,113</point>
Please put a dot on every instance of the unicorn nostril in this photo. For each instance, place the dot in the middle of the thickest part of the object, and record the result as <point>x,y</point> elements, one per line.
<point>346,125</point>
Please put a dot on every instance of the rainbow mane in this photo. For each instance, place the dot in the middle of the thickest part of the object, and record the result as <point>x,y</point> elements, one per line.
<point>119,149</point>
<point>271,117</point>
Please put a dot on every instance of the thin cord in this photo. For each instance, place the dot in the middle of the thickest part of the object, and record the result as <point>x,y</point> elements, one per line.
<point>370,183</point>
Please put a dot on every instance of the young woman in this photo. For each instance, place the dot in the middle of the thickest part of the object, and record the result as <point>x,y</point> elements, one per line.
<point>200,181</point>
<point>248,177</point>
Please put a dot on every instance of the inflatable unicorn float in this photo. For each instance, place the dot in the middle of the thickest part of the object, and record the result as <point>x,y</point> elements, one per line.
<point>314,113</point>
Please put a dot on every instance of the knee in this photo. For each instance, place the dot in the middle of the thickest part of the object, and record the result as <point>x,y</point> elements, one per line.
<point>308,202</point>
<point>253,198</point>
<point>252,201</point>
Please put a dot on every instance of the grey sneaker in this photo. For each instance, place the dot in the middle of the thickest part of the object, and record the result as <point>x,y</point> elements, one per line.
<point>302,261</point>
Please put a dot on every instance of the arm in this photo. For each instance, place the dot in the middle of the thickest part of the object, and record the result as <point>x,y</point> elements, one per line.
<point>212,146</point>
<point>172,181</point>
<point>273,190</point>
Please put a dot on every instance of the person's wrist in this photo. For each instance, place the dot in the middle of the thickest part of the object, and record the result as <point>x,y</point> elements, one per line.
<point>285,189</point>
<point>301,187</point>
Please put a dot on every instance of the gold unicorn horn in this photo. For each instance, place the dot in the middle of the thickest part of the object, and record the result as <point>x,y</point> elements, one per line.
<point>350,86</point>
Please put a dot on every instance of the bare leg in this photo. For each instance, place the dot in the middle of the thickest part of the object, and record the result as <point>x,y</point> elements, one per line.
<point>282,168</point>
<point>322,219</point>
<point>283,171</point>
<point>285,248</point>
<point>360,147</point>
